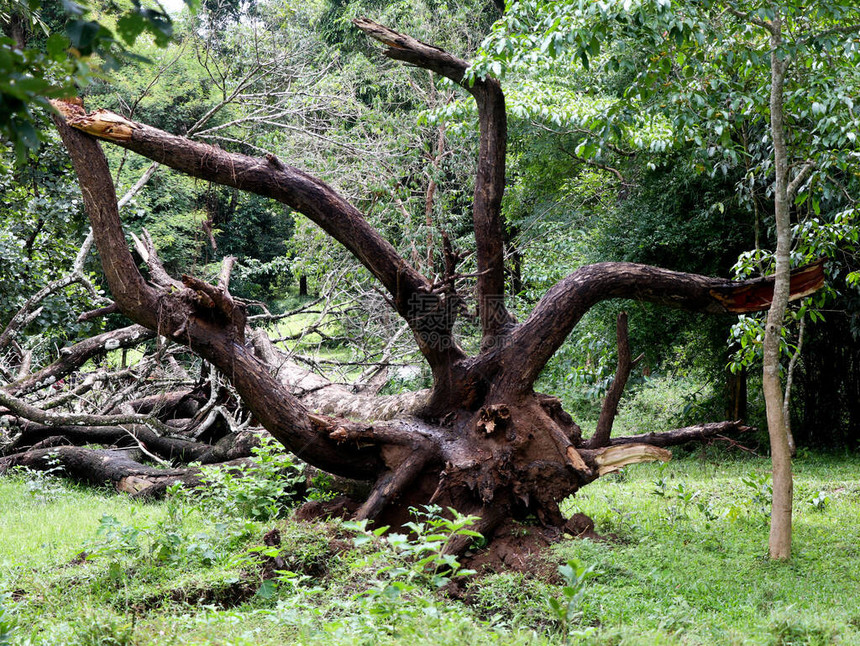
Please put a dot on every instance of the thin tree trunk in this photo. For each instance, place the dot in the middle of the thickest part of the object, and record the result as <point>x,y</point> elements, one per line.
<point>303,285</point>
<point>616,389</point>
<point>779,543</point>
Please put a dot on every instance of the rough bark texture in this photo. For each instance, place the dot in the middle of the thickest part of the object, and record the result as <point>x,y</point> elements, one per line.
<point>100,467</point>
<point>481,440</point>
<point>73,357</point>
<point>181,449</point>
<point>779,542</point>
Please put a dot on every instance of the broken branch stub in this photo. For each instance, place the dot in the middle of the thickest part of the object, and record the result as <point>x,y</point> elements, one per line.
<point>612,458</point>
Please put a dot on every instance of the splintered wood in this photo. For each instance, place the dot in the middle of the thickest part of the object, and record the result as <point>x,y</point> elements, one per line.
<point>612,458</point>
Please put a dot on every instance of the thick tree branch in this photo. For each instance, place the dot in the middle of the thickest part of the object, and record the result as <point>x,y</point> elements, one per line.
<point>27,411</point>
<point>490,178</point>
<point>683,435</point>
<point>609,459</point>
<point>230,447</point>
<point>103,467</point>
<point>129,289</point>
<point>411,292</point>
<point>534,342</point>
<point>182,314</point>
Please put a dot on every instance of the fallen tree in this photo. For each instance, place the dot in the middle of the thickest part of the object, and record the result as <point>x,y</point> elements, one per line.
<point>481,439</point>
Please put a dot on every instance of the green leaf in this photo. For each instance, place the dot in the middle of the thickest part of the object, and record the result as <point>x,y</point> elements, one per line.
<point>130,26</point>
<point>85,35</point>
<point>57,45</point>
<point>267,589</point>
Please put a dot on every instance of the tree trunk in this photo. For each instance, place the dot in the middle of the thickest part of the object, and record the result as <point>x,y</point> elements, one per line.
<point>780,522</point>
<point>303,285</point>
<point>736,390</point>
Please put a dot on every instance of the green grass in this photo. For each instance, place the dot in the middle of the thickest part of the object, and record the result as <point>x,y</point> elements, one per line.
<point>39,535</point>
<point>695,580</point>
<point>686,567</point>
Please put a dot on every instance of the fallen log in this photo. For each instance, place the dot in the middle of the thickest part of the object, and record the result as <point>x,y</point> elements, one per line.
<point>229,447</point>
<point>100,467</point>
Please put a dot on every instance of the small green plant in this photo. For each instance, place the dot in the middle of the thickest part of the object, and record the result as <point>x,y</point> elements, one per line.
<point>8,621</point>
<point>43,486</point>
<point>261,491</point>
<point>707,510</point>
<point>421,561</point>
<point>820,501</point>
<point>567,609</point>
<point>761,492</point>
<point>685,495</point>
<point>321,487</point>
<point>681,493</point>
<point>661,484</point>
<point>116,539</point>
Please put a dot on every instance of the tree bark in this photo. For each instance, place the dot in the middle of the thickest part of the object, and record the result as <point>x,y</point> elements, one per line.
<point>229,447</point>
<point>430,315</point>
<point>536,340</point>
<point>100,467</point>
<point>779,542</point>
<point>613,396</point>
<point>73,357</point>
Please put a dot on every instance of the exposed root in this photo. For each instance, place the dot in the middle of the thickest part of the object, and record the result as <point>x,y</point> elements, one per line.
<point>489,518</point>
<point>392,483</point>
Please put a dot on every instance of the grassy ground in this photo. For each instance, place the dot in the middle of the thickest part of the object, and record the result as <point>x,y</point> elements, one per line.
<point>687,565</point>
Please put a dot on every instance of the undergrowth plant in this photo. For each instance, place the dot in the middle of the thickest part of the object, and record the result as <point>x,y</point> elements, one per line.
<point>760,490</point>
<point>8,621</point>
<point>261,491</point>
<point>756,503</point>
<point>167,542</point>
<point>43,486</point>
<point>820,501</point>
<point>567,609</point>
<point>413,562</point>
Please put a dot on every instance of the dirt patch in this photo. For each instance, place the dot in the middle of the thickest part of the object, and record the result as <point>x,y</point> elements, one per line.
<point>78,559</point>
<point>522,548</point>
<point>519,548</point>
<point>581,526</point>
<point>271,564</point>
<point>338,507</point>
<point>225,595</point>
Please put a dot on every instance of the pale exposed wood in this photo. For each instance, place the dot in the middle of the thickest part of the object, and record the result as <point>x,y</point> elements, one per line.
<point>612,458</point>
